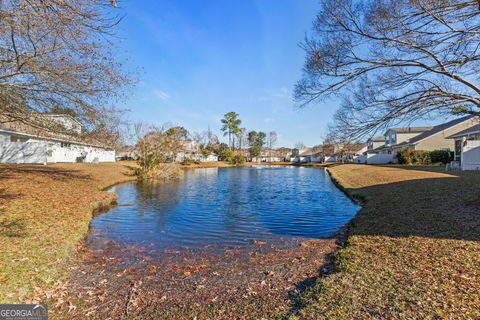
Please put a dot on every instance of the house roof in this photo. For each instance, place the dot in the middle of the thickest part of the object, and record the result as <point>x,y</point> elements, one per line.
<point>8,123</point>
<point>435,130</point>
<point>23,134</point>
<point>56,115</point>
<point>379,148</point>
<point>409,130</point>
<point>355,147</point>
<point>466,132</point>
<point>305,152</point>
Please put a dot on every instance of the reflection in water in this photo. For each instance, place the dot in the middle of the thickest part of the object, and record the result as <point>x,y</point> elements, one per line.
<point>227,207</point>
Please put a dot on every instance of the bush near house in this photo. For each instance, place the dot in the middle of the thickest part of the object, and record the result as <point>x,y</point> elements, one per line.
<point>189,161</point>
<point>441,156</point>
<point>420,157</point>
<point>225,155</point>
<point>237,159</point>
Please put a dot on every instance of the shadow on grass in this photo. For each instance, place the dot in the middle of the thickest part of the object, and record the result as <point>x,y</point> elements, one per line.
<point>441,207</point>
<point>7,172</point>
<point>8,196</point>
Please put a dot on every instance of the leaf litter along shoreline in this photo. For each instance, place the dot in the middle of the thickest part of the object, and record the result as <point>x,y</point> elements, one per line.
<point>256,281</point>
<point>56,204</point>
<point>397,262</point>
<point>262,280</point>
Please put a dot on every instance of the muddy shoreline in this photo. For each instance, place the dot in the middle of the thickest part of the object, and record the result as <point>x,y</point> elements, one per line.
<point>260,281</point>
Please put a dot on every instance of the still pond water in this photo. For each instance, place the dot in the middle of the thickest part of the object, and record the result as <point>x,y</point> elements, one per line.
<point>225,207</point>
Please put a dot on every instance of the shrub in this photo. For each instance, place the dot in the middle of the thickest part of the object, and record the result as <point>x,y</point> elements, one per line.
<point>237,159</point>
<point>405,156</point>
<point>188,161</point>
<point>441,156</point>
<point>147,166</point>
<point>225,155</point>
<point>410,156</point>
<point>421,157</point>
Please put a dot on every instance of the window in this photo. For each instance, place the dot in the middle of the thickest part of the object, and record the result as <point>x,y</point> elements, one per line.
<point>18,139</point>
<point>65,145</point>
<point>393,138</point>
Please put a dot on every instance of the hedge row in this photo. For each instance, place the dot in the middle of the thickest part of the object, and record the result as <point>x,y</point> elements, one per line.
<point>409,156</point>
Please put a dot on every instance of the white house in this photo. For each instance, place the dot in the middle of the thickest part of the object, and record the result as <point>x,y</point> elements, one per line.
<point>274,155</point>
<point>306,155</point>
<point>20,143</point>
<point>467,148</point>
<point>375,143</point>
<point>190,151</point>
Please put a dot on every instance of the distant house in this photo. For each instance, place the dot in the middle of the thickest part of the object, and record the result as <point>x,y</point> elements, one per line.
<point>191,151</point>
<point>328,153</point>
<point>23,143</point>
<point>467,148</point>
<point>416,138</point>
<point>343,152</point>
<point>306,155</point>
<point>374,144</point>
<point>274,155</point>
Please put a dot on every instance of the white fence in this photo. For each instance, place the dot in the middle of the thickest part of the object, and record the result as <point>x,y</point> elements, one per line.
<point>375,158</point>
<point>471,155</point>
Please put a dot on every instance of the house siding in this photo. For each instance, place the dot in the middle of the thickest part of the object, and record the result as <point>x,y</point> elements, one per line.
<point>41,151</point>
<point>30,151</point>
<point>439,141</point>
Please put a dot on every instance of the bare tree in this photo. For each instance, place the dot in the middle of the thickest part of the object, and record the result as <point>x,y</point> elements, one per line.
<point>176,141</point>
<point>393,61</point>
<point>272,139</point>
<point>299,145</point>
<point>57,54</point>
<point>241,139</point>
<point>148,146</point>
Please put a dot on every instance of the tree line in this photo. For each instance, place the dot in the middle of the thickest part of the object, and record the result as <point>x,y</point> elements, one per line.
<point>239,138</point>
<point>157,144</point>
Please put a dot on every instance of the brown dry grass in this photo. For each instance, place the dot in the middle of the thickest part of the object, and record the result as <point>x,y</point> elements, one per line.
<point>44,214</point>
<point>413,251</point>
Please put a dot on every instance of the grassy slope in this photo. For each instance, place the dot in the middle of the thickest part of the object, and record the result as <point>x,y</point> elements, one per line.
<point>413,250</point>
<point>44,214</point>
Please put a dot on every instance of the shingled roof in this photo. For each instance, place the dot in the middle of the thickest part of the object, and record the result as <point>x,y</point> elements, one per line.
<point>410,129</point>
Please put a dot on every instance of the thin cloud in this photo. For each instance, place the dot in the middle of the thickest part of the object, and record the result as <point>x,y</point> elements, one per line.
<point>161,95</point>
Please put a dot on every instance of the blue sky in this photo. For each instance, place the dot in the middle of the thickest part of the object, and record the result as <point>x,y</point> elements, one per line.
<point>199,59</point>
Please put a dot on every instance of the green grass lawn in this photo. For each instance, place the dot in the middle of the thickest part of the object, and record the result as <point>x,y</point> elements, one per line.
<point>413,251</point>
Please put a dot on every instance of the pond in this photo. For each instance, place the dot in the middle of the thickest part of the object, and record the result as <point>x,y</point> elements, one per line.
<point>225,207</point>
